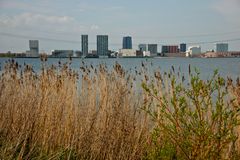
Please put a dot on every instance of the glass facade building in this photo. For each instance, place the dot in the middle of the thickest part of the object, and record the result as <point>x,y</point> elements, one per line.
<point>127,42</point>
<point>34,47</point>
<point>84,40</point>
<point>102,45</point>
<point>183,47</point>
<point>152,48</point>
<point>142,47</point>
<point>222,47</point>
<point>170,49</point>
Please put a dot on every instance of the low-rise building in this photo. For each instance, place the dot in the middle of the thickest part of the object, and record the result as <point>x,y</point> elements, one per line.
<point>62,53</point>
<point>140,53</point>
<point>78,54</point>
<point>146,54</point>
<point>221,54</point>
<point>193,51</point>
<point>127,53</point>
<point>142,47</point>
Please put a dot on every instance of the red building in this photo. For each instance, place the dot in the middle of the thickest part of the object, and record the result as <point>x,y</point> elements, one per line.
<point>173,49</point>
<point>170,49</point>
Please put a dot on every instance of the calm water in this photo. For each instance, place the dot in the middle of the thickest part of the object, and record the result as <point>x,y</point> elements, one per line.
<point>206,66</point>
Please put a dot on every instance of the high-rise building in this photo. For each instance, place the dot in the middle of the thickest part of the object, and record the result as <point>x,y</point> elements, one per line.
<point>142,47</point>
<point>127,42</point>
<point>102,45</point>
<point>152,48</point>
<point>222,47</point>
<point>84,41</point>
<point>34,47</point>
<point>165,49</point>
<point>173,49</point>
<point>183,47</point>
<point>170,49</point>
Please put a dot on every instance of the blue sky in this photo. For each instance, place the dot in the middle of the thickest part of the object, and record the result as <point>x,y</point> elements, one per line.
<point>58,24</point>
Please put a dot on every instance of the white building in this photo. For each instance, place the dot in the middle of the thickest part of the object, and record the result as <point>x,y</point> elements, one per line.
<point>193,50</point>
<point>146,54</point>
<point>222,47</point>
<point>127,53</point>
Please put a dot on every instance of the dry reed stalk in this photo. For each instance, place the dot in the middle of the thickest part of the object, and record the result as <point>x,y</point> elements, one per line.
<point>46,114</point>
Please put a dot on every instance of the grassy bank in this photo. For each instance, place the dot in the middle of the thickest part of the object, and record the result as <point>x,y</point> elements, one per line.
<point>98,113</point>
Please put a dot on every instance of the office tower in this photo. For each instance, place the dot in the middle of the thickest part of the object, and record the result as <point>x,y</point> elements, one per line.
<point>142,47</point>
<point>170,49</point>
<point>152,48</point>
<point>173,49</point>
<point>164,49</point>
<point>183,47</point>
<point>222,47</point>
<point>34,47</point>
<point>102,45</point>
<point>84,41</point>
<point>127,42</point>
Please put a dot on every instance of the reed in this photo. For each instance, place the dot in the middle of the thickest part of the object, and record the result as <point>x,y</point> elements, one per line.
<point>52,114</point>
<point>102,113</point>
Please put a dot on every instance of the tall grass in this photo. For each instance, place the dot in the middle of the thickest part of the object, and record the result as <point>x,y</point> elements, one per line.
<point>102,113</point>
<point>49,115</point>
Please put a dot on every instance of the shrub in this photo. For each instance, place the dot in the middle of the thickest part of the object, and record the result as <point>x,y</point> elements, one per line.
<point>194,121</point>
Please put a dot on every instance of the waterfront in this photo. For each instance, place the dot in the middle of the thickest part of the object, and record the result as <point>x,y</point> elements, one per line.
<point>225,66</point>
<point>97,113</point>
<point>119,80</point>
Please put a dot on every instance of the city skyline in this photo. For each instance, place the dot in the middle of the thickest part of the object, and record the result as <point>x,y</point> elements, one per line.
<point>102,44</point>
<point>153,22</point>
<point>144,50</point>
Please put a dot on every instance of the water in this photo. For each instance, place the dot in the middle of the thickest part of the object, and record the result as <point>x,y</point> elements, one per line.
<point>226,66</point>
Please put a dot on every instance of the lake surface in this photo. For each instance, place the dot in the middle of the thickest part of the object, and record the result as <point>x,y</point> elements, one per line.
<point>206,66</point>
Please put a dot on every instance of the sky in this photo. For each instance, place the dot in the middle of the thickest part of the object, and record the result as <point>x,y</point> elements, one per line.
<point>59,24</point>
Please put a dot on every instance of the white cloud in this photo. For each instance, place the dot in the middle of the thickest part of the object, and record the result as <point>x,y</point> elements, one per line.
<point>41,21</point>
<point>29,19</point>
